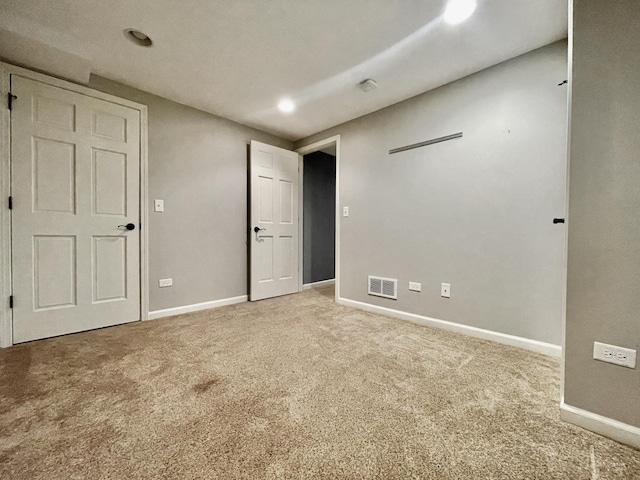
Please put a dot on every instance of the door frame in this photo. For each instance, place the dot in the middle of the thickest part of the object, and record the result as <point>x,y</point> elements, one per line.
<point>6,288</point>
<point>302,151</point>
<point>563,344</point>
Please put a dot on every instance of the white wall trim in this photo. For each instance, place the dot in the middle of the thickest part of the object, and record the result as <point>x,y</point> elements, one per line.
<point>300,222</point>
<point>321,283</point>
<point>566,200</point>
<point>314,147</point>
<point>608,427</point>
<point>6,70</point>
<point>196,307</point>
<point>6,326</point>
<point>144,212</point>
<point>520,342</point>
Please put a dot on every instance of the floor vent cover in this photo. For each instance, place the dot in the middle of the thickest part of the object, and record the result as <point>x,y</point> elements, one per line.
<point>383,287</point>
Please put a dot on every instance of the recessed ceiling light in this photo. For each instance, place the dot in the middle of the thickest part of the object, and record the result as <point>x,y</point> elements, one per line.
<point>137,37</point>
<point>458,11</point>
<point>286,106</point>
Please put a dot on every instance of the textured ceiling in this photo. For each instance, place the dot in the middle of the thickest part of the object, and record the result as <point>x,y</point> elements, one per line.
<point>238,58</point>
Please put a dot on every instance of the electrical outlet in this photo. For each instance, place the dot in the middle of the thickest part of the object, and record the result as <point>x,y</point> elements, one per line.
<point>165,282</point>
<point>345,211</point>
<point>445,290</point>
<point>624,357</point>
<point>415,286</point>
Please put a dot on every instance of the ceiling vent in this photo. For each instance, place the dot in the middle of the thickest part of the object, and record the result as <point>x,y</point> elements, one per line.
<point>367,85</point>
<point>383,287</point>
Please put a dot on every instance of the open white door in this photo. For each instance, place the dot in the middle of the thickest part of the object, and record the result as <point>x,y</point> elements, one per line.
<point>75,170</point>
<point>274,221</point>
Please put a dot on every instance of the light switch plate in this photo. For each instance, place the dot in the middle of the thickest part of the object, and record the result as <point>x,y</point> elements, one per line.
<point>415,286</point>
<point>158,205</point>
<point>345,211</point>
<point>165,282</point>
<point>445,290</point>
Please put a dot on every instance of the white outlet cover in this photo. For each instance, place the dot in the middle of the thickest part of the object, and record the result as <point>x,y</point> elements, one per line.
<point>625,357</point>
<point>165,282</point>
<point>415,286</point>
<point>445,290</point>
<point>345,211</point>
<point>158,205</point>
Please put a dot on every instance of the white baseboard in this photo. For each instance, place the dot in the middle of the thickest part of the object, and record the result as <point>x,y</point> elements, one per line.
<point>168,312</point>
<point>525,343</point>
<point>321,283</point>
<point>608,427</point>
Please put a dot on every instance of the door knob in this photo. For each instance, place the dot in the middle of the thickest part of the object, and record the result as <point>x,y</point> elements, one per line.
<point>128,226</point>
<point>258,229</point>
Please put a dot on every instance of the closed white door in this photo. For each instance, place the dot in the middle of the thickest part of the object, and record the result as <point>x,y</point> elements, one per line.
<point>274,221</point>
<point>75,169</point>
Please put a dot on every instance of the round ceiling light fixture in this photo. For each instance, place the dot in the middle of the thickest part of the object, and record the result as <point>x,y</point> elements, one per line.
<point>137,37</point>
<point>286,105</point>
<point>458,11</point>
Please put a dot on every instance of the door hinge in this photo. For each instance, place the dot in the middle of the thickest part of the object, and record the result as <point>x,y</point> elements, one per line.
<point>11,301</point>
<point>10,202</point>
<point>11,97</point>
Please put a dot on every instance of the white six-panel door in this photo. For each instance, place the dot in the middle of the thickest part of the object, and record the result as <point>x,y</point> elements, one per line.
<point>274,212</point>
<point>75,166</point>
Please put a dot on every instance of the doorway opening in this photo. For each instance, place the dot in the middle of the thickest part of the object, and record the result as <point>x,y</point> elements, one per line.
<point>319,220</point>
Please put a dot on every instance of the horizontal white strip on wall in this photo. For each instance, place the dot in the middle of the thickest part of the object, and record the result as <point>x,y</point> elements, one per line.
<point>168,312</point>
<point>525,343</point>
<point>307,286</point>
<point>608,427</point>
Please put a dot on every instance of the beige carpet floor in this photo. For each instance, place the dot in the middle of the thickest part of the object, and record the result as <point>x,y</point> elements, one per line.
<point>293,387</point>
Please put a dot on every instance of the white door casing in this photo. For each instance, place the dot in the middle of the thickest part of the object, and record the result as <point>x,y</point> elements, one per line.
<point>273,210</point>
<point>75,178</point>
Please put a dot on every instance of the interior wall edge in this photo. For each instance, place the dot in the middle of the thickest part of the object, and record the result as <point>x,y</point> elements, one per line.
<point>603,265</point>
<point>6,335</point>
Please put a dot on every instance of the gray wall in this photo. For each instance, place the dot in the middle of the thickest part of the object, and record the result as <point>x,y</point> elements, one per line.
<point>603,293</point>
<point>198,165</point>
<point>475,212</point>
<point>319,193</point>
